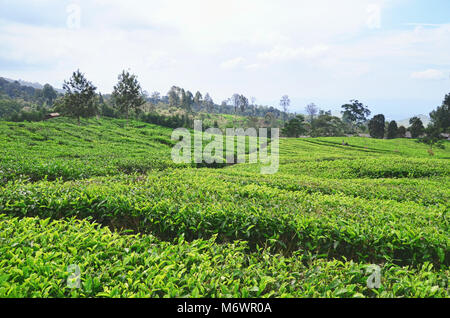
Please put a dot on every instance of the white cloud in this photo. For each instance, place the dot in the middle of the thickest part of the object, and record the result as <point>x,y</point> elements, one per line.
<point>254,66</point>
<point>374,16</point>
<point>304,48</point>
<point>158,60</point>
<point>233,63</point>
<point>283,53</point>
<point>430,74</point>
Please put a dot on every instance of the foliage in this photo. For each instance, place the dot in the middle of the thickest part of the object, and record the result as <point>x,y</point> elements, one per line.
<point>49,94</point>
<point>166,121</point>
<point>37,255</point>
<point>311,110</point>
<point>239,102</point>
<point>72,194</point>
<point>326,125</point>
<point>9,107</point>
<point>432,137</point>
<point>59,148</point>
<point>295,127</point>
<point>79,99</point>
<point>355,112</point>
<point>376,126</point>
<point>285,102</point>
<point>392,131</point>
<point>416,128</point>
<point>401,132</point>
<point>127,93</point>
<point>441,116</point>
<point>15,90</point>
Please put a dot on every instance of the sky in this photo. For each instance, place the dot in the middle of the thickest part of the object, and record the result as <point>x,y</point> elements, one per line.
<point>392,55</point>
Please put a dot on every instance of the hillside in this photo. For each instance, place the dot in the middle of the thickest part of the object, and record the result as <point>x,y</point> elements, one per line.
<point>107,198</point>
<point>405,123</point>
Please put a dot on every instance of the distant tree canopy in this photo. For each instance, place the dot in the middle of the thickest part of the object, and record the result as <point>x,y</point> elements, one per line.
<point>295,127</point>
<point>174,95</point>
<point>8,107</point>
<point>236,104</point>
<point>440,121</point>
<point>285,102</point>
<point>198,98</point>
<point>376,126</point>
<point>19,102</point>
<point>432,137</point>
<point>15,90</point>
<point>417,129</point>
<point>49,94</point>
<point>327,125</point>
<point>167,121</point>
<point>355,112</point>
<point>311,110</point>
<point>80,99</point>
<point>127,94</point>
<point>239,102</point>
<point>187,100</point>
<point>401,132</point>
<point>155,97</point>
<point>392,131</point>
<point>440,118</point>
<point>208,102</point>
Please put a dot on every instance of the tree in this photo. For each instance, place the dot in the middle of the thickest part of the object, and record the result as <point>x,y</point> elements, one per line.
<point>376,126</point>
<point>417,129</point>
<point>392,131</point>
<point>198,99</point>
<point>127,94</point>
<point>155,97</point>
<point>312,111</point>
<point>401,132</point>
<point>285,102</point>
<point>187,101</point>
<point>243,103</point>
<point>239,102</point>
<point>295,127</point>
<point>235,100</point>
<point>441,116</point>
<point>80,97</point>
<point>174,96</point>
<point>9,107</point>
<point>253,105</point>
<point>208,102</point>
<point>327,125</point>
<point>355,113</point>
<point>433,137</point>
<point>49,94</point>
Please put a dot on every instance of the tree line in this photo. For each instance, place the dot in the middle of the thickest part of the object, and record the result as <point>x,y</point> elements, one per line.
<point>355,120</point>
<point>21,102</point>
<point>127,99</point>
<point>81,100</point>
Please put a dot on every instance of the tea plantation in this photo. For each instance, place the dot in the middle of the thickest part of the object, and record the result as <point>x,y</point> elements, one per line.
<point>107,198</point>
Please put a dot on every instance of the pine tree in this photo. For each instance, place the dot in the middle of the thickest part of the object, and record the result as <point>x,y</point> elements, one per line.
<point>128,94</point>
<point>80,97</point>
